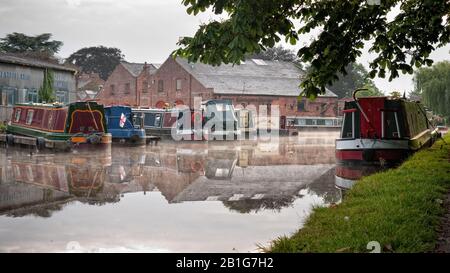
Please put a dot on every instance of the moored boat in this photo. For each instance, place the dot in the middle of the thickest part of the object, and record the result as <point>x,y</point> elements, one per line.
<point>158,122</point>
<point>58,126</point>
<point>382,131</point>
<point>216,119</point>
<point>124,126</point>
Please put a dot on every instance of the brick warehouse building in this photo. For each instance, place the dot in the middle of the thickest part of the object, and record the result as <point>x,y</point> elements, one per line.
<point>128,84</point>
<point>255,82</point>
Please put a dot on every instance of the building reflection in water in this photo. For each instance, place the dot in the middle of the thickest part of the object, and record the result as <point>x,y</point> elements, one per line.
<point>244,176</point>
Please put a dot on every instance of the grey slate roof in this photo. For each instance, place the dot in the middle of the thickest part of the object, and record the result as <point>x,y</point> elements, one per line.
<point>136,68</point>
<point>26,61</point>
<point>276,78</point>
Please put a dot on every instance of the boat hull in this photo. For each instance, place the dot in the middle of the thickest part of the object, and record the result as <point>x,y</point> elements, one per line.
<point>381,151</point>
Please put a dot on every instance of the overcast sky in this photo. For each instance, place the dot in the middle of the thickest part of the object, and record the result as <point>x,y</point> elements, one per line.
<point>145,30</point>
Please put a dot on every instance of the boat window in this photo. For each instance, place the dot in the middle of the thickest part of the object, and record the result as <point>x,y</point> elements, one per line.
<point>169,120</point>
<point>222,172</point>
<point>390,125</point>
<point>301,122</point>
<point>320,122</point>
<point>17,116</point>
<point>30,114</point>
<point>50,120</point>
<point>149,119</point>
<point>157,120</point>
<point>347,126</point>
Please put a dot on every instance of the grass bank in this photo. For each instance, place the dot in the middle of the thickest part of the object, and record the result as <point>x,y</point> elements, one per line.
<point>399,208</point>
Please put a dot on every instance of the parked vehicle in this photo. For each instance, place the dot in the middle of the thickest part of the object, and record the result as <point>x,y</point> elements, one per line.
<point>58,126</point>
<point>383,130</point>
<point>123,126</point>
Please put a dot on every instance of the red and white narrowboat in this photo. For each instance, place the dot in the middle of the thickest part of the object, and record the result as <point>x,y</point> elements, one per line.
<point>382,130</point>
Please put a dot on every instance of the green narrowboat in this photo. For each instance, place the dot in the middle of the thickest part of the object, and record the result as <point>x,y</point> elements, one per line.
<point>58,126</point>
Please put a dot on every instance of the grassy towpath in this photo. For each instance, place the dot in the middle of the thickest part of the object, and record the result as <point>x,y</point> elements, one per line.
<point>401,209</point>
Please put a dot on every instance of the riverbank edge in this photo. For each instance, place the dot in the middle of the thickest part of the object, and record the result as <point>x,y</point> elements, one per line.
<point>399,209</point>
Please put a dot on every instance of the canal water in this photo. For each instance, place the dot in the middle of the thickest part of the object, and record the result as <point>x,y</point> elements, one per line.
<point>170,197</point>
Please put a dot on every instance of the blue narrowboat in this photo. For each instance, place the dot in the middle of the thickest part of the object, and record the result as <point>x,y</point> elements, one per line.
<point>124,126</point>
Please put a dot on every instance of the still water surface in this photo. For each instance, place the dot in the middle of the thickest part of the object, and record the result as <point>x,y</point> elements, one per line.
<point>172,197</point>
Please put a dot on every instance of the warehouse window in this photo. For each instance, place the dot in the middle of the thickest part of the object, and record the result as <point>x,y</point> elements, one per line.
<point>178,84</point>
<point>61,96</point>
<point>112,87</point>
<point>144,87</point>
<point>160,86</point>
<point>127,88</point>
<point>300,106</point>
<point>32,95</point>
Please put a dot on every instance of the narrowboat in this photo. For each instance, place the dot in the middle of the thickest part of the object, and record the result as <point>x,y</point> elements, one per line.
<point>57,126</point>
<point>158,122</point>
<point>246,121</point>
<point>191,125</point>
<point>382,131</point>
<point>124,126</point>
<point>219,119</point>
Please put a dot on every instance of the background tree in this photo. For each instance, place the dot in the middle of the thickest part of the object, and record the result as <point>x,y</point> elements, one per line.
<point>39,46</point>
<point>356,77</point>
<point>415,95</point>
<point>97,59</point>
<point>434,86</point>
<point>395,94</point>
<point>46,92</point>
<point>275,53</point>
<point>401,43</point>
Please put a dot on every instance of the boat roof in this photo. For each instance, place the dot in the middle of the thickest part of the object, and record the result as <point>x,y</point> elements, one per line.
<point>156,110</point>
<point>117,106</point>
<point>46,105</point>
<point>54,105</point>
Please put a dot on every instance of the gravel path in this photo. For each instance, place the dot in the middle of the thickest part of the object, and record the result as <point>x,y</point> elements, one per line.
<point>443,242</point>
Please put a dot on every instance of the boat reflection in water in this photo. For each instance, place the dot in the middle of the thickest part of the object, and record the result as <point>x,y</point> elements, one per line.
<point>251,191</point>
<point>348,175</point>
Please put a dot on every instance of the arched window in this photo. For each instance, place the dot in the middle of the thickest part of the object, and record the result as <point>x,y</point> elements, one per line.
<point>179,102</point>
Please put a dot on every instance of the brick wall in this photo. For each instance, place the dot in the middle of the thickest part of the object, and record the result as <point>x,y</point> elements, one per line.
<point>143,82</point>
<point>289,106</point>
<point>166,77</point>
<point>121,79</point>
<point>171,71</point>
<point>163,88</point>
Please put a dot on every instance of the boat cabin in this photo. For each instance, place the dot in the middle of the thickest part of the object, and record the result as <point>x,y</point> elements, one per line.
<point>382,130</point>
<point>123,125</point>
<point>79,122</point>
<point>159,122</point>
